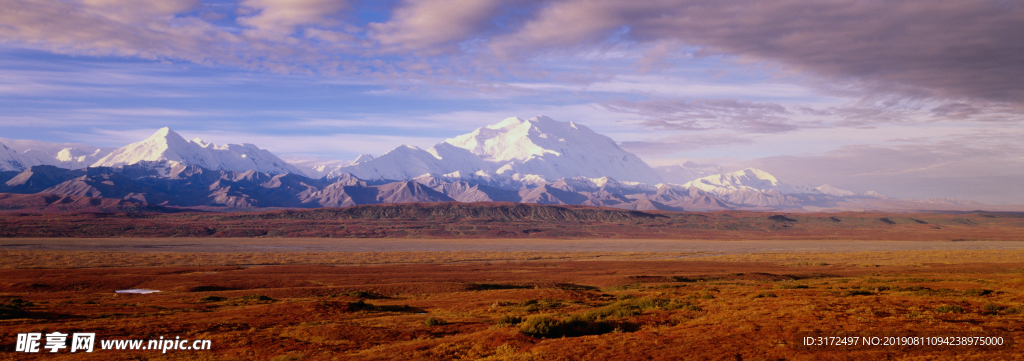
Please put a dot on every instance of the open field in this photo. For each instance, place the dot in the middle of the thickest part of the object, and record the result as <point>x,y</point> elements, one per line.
<point>45,259</point>
<point>525,306</point>
<point>514,282</point>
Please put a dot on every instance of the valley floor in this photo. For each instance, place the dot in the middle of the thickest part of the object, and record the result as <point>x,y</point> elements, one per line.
<point>416,304</point>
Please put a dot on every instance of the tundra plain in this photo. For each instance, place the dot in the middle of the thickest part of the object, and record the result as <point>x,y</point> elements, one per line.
<point>710,289</point>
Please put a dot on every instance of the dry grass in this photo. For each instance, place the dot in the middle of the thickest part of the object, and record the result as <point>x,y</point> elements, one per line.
<point>624,310</point>
<point>96,259</point>
<point>895,258</point>
<point>16,259</point>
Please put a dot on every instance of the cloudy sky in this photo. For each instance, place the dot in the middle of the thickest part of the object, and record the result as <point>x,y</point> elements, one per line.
<point>915,99</point>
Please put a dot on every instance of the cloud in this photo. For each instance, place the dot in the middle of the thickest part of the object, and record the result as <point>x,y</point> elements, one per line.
<point>707,114</point>
<point>665,147</point>
<point>959,51</point>
<point>978,165</point>
<point>435,25</point>
<point>281,18</point>
<point>688,114</point>
<point>143,29</point>
<point>968,48</point>
<point>126,8</point>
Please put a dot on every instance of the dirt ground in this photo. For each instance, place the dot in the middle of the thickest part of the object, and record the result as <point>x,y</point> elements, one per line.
<point>548,306</point>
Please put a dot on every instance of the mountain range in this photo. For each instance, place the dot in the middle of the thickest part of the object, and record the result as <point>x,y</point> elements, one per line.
<point>539,160</point>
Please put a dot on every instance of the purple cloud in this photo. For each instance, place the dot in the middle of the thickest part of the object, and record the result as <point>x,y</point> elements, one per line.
<point>961,50</point>
<point>979,165</point>
<point>970,48</point>
<point>707,114</point>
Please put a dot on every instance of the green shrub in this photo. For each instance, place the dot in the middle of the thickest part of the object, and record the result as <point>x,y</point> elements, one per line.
<point>361,294</point>
<point>360,306</point>
<point>509,320</point>
<point>540,326</point>
<point>255,298</point>
<point>576,325</point>
<point>539,305</point>
<point>764,295</point>
<point>991,307</point>
<point>13,308</point>
<point>431,322</point>
<point>976,292</point>
<point>790,287</point>
<point>950,308</point>
<point>594,322</point>
<point>806,263</point>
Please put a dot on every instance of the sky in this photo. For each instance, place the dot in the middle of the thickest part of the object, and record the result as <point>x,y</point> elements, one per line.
<point>912,99</point>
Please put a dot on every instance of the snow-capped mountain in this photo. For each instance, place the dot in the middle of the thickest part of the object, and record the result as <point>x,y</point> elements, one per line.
<point>64,155</point>
<point>315,167</point>
<point>408,162</point>
<point>747,179</point>
<point>10,160</point>
<point>70,158</point>
<point>833,191</point>
<point>754,187</point>
<point>167,146</point>
<point>552,149</point>
<point>516,151</point>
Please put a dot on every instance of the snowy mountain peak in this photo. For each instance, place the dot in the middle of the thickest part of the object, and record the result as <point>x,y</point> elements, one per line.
<point>757,174</point>
<point>74,155</point>
<point>363,158</point>
<point>202,143</point>
<point>746,179</point>
<point>167,145</point>
<point>164,132</point>
<point>166,137</point>
<point>833,191</point>
<point>10,160</point>
<point>552,150</point>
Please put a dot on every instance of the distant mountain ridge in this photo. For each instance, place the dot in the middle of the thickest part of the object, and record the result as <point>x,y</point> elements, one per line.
<point>539,160</point>
<point>169,183</point>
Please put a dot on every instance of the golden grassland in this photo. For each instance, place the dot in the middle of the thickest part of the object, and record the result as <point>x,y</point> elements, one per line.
<point>19,259</point>
<point>893,258</point>
<point>548,309</point>
<point>400,300</point>
<point>97,259</point>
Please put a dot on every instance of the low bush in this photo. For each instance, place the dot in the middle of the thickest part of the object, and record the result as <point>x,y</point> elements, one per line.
<point>255,298</point>
<point>509,320</point>
<point>595,322</point>
<point>573,326</point>
<point>540,305</point>
<point>432,321</point>
<point>13,308</point>
<point>361,294</point>
<point>977,292</point>
<point>949,309</point>
<point>790,287</point>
